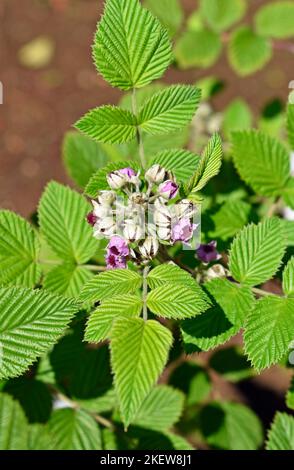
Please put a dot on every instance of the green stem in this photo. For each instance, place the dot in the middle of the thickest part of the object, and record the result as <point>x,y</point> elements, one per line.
<point>274,207</point>
<point>93,267</point>
<point>145,292</point>
<point>139,134</point>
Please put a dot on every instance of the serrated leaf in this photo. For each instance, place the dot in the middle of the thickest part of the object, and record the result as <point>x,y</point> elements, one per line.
<point>13,425</point>
<point>169,110</point>
<point>237,116</point>
<point>98,181</point>
<point>257,251</point>
<point>281,434</point>
<point>101,320</point>
<point>248,52</point>
<point>290,124</point>
<point>181,162</point>
<point>199,48</point>
<point>108,124</point>
<point>269,331</point>
<point>276,20</point>
<point>161,409</point>
<point>62,215</point>
<point>67,279</point>
<point>208,167</point>
<point>131,47</point>
<point>39,438</point>
<point>290,396</point>
<point>111,283</point>
<point>74,430</point>
<point>288,193</point>
<point>288,231</point>
<point>169,13</point>
<point>139,351</point>
<point>82,157</point>
<point>30,323</point>
<point>19,249</point>
<point>167,302</point>
<point>288,278</point>
<point>222,15</point>
<point>231,426</point>
<point>262,161</point>
<point>231,305</point>
<point>230,218</point>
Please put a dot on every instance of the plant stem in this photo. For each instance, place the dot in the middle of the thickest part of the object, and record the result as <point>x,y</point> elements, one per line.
<point>139,134</point>
<point>93,267</point>
<point>145,292</point>
<point>262,293</point>
<point>274,207</point>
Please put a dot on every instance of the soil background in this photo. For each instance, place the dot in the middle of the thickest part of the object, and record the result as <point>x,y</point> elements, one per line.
<point>41,105</point>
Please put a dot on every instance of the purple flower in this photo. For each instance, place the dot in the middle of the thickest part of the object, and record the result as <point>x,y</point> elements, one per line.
<point>168,189</point>
<point>208,252</point>
<point>182,231</point>
<point>117,252</point>
<point>92,219</point>
<point>116,262</point>
<point>129,172</point>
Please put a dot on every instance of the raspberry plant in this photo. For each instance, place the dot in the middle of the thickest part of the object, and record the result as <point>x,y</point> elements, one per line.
<point>96,300</point>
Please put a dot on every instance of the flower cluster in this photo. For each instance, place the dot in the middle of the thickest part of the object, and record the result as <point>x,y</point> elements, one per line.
<point>139,213</point>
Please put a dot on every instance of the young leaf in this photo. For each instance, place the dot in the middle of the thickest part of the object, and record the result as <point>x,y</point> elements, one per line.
<point>111,283</point>
<point>222,15</point>
<point>237,117</point>
<point>231,218</point>
<point>247,51</point>
<point>281,434</point>
<point>74,430</point>
<point>181,162</point>
<point>199,48</point>
<point>101,321</point>
<point>208,167</point>
<point>98,181</point>
<point>131,47</point>
<point>168,302</point>
<point>257,251</point>
<point>62,214</point>
<point>276,20</point>
<point>30,323</point>
<point>139,351</point>
<point>288,278</point>
<point>269,331</point>
<point>19,249</point>
<point>82,157</point>
<point>290,124</point>
<point>161,409</point>
<point>262,161</point>
<point>169,13</point>
<point>108,124</point>
<point>67,279</point>
<point>169,110</point>
<point>13,425</point>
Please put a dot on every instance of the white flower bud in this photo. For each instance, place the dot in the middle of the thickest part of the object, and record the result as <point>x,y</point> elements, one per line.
<point>162,215</point>
<point>164,233</point>
<point>216,271</point>
<point>106,197</point>
<point>133,231</point>
<point>156,174</point>
<point>105,228</point>
<point>138,198</point>
<point>99,210</point>
<point>149,248</point>
<point>116,180</point>
<point>184,208</point>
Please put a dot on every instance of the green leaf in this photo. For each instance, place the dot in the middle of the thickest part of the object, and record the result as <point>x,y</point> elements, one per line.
<point>161,409</point>
<point>108,124</point>
<point>169,110</point>
<point>231,364</point>
<point>181,162</point>
<point>19,249</point>
<point>193,380</point>
<point>290,124</point>
<point>237,116</point>
<point>230,218</point>
<point>209,165</point>
<point>248,52</point>
<point>290,396</point>
<point>288,193</point>
<point>111,283</point>
<point>288,231</point>
<point>101,320</point>
<point>288,278</point>
<point>276,20</point>
<point>262,161</point>
<point>269,331</point>
<point>223,320</point>
<point>82,157</point>
<point>221,15</point>
<point>74,430</point>
<point>166,441</point>
<point>231,426</point>
<point>98,181</point>
<point>169,13</point>
<point>62,214</point>
<point>139,351</point>
<point>281,434</point>
<point>199,48</point>
<point>13,425</point>
<point>39,438</point>
<point>30,323</point>
<point>131,47</point>
<point>168,302</point>
<point>67,279</point>
<point>257,251</point>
